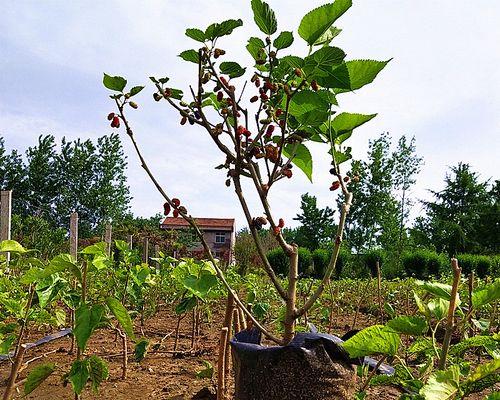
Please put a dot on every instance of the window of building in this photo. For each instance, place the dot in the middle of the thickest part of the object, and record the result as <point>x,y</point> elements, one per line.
<point>220,237</point>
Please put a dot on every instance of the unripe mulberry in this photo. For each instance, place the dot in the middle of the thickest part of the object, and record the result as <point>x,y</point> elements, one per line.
<point>346,179</point>
<point>175,213</point>
<point>298,72</point>
<point>110,116</point>
<point>314,86</point>
<point>264,97</point>
<point>183,120</point>
<point>281,223</point>
<point>176,202</point>
<point>254,99</point>
<point>115,123</point>
<point>168,92</point>
<point>133,105</point>
<point>183,209</point>
<point>157,96</point>
<point>288,172</point>
<point>166,209</point>
<point>270,130</point>
<point>220,96</point>
<point>257,82</point>
<point>261,220</point>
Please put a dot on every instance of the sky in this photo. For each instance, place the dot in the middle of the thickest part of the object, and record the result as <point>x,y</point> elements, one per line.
<point>442,87</point>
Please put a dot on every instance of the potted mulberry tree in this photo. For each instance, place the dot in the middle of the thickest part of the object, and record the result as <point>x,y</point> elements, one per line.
<point>261,117</point>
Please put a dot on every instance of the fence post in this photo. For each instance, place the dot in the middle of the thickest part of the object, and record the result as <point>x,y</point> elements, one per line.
<point>145,250</point>
<point>5,217</point>
<point>107,237</point>
<point>73,235</point>
<point>130,241</point>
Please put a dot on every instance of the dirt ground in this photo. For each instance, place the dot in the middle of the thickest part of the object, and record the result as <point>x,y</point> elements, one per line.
<point>161,375</point>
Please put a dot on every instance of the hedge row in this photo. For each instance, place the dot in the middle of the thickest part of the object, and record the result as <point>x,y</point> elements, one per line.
<point>421,264</point>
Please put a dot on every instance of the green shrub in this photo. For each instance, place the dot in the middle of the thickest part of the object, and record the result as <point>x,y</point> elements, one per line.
<point>280,262</point>
<point>370,258</point>
<point>481,265</point>
<point>422,264</point>
<point>321,259</point>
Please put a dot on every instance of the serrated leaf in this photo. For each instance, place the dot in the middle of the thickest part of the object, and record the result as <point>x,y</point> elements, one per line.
<point>98,371</point>
<point>61,263</point>
<point>473,342</point>
<point>293,61</point>
<point>302,158</point>
<point>122,315</point>
<point>328,36</point>
<point>484,370</point>
<point>186,305</point>
<point>318,21</point>
<point>222,29</point>
<point>79,375</point>
<point>376,339</point>
<point>11,246</point>
<point>486,295</point>
<point>190,55</point>
<point>309,108</point>
<point>37,376</point>
<point>363,72</point>
<point>439,307</point>
<point>408,325</point>
<point>135,90</point>
<point>442,385</point>
<point>115,83</point>
<point>264,17</point>
<point>336,77</point>
<point>141,349</point>
<point>323,60</point>
<point>86,320</point>
<point>284,40</point>
<point>96,249</point>
<point>346,122</point>
<point>206,372</point>
<point>255,47</point>
<point>196,34</point>
<point>233,69</point>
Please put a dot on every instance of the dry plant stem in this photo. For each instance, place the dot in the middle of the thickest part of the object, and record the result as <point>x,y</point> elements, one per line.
<point>379,295</point>
<point>221,376</point>
<point>236,321</point>
<point>14,371</point>
<point>333,261</point>
<point>195,227</point>
<point>228,320</point>
<point>124,352</point>
<point>243,320</point>
<point>451,314</point>
<point>470,313</point>
<point>372,374</point>
<point>290,315</point>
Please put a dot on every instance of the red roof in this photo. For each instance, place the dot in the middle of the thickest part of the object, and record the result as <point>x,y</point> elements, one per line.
<point>203,223</point>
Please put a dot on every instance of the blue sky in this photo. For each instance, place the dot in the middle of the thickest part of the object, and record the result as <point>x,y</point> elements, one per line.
<point>442,86</point>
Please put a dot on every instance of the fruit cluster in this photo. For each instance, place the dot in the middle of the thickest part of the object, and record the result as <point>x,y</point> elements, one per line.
<point>178,209</point>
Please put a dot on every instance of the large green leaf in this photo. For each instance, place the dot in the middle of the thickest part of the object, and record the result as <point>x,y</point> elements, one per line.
<point>37,376</point>
<point>363,72</point>
<point>11,246</point>
<point>336,77</point>
<point>190,55</point>
<point>122,315</point>
<point>302,158</point>
<point>328,36</point>
<point>255,47</point>
<point>346,122</point>
<point>264,17</point>
<point>293,61</point>
<point>488,342</point>
<point>318,21</point>
<point>200,285</point>
<point>115,83</point>
<point>408,325</point>
<point>484,370</point>
<point>486,295</point>
<point>186,305</point>
<point>196,34</point>
<point>284,40</point>
<point>79,375</point>
<point>222,29</point>
<point>323,60</point>
<point>47,291</point>
<point>438,289</point>
<point>96,249</point>
<point>376,339</point>
<point>86,320</point>
<point>98,371</point>
<point>439,307</point>
<point>140,350</point>
<point>442,385</point>
<point>309,108</point>
<point>233,69</point>
<point>61,263</point>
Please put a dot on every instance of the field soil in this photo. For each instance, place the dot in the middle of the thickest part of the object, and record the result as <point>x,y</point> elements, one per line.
<point>163,374</point>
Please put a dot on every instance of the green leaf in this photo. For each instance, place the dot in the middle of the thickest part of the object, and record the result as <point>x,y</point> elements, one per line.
<point>222,29</point>
<point>293,61</point>
<point>86,320</point>
<point>323,60</point>
<point>264,17</point>
<point>96,249</point>
<point>79,375</point>
<point>122,315</point>
<point>233,69</point>
<point>309,108</point>
<point>190,55</point>
<point>206,372</point>
<point>284,40</point>
<point>346,122</point>
<point>328,36</point>
<point>318,21</point>
<point>61,263</point>
<point>135,90</point>
<point>37,376</point>
<point>11,246</point>
<point>439,308</point>
<point>255,47</point>
<point>442,385</point>
<point>200,286</point>
<point>408,325</point>
<point>196,34</point>
<point>336,77</point>
<point>186,305</point>
<point>438,289</point>
<point>486,295</point>
<point>98,371</point>
<point>141,349</point>
<point>302,158</point>
<point>376,339</point>
<point>473,342</point>
<point>484,370</point>
<point>115,83</point>
<point>363,72</point>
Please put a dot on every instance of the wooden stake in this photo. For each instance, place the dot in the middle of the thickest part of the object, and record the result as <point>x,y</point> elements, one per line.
<point>236,321</point>
<point>145,251</point>
<point>13,373</point>
<point>130,241</point>
<point>228,321</point>
<point>221,375</point>
<point>243,320</point>
<point>451,314</point>
<point>73,250</point>
<point>5,217</point>
<point>379,290</point>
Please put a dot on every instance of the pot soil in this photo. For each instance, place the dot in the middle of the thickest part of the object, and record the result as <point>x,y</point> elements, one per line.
<point>313,366</point>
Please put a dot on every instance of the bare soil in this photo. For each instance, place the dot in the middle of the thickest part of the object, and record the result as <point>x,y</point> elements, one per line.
<point>163,374</point>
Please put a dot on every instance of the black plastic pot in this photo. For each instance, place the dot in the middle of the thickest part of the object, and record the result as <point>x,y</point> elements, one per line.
<point>313,366</point>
